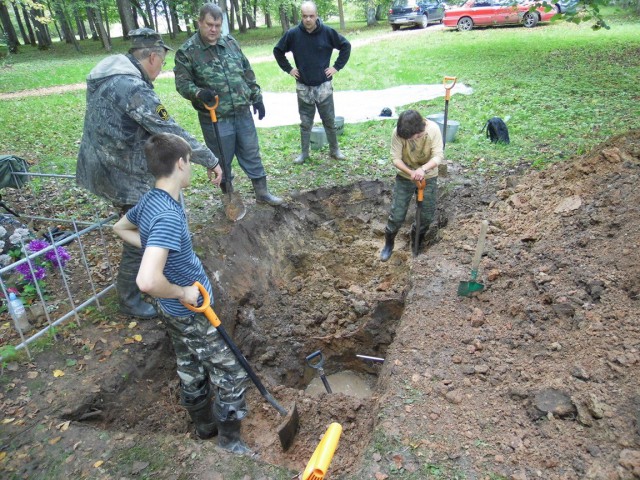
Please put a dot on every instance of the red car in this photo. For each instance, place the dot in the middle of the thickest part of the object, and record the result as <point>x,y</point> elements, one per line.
<point>496,12</point>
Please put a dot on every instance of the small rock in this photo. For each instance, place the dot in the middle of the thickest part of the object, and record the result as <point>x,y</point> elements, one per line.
<point>481,369</point>
<point>477,318</point>
<point>454,396</point>
<point>493,274</point>
<point>555,402</point>
<point>580,373</point>
<point>596,409</point>
<point>630,459</point>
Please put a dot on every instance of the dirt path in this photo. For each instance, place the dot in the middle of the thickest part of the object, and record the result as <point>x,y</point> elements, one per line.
<point>38,92</point>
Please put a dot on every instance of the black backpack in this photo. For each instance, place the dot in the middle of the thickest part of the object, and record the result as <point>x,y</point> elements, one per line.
<point>497,130</point>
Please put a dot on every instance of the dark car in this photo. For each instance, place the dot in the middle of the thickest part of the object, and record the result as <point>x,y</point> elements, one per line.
<point>415,12</point>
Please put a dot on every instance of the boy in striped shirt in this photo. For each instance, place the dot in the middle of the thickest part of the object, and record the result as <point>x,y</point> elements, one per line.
<point>168,271</point>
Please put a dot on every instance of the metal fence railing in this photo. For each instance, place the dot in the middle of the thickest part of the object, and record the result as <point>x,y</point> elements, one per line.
<point>56,255</point>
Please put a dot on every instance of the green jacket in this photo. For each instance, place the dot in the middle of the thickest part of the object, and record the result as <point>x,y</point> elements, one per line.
<point>221,67</point>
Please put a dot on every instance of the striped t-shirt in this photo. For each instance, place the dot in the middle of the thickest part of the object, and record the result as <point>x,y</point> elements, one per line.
<point>162,223</point>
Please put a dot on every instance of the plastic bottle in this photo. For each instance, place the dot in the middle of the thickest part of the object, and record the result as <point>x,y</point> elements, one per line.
<point>18,313</point>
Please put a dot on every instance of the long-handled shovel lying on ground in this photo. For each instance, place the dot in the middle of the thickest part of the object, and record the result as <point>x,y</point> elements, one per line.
<point>289,426</point>
<point>419,199</point>
<point>467,288</point>
<point>234,209</point>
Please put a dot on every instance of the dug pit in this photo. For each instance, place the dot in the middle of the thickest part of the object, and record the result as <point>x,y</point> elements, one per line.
<point>288,282</point>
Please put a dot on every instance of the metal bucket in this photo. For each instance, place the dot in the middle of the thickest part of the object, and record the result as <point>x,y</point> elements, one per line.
<point>318,138</point>
<point>452,125</point>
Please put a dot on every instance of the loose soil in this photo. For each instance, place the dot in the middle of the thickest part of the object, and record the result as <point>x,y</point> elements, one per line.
<point>536,376</point>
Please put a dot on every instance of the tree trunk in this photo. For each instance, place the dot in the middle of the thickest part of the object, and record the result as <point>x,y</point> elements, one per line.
<point>284,18</point>
<point>23,32</point>
<point>341,14</point>
<point>380,13</point>
<point>371,14</point>
<point>9,31</point>
<point>97,15</point>
<point>242,26</point>
<point>92,24</point>
<point>82,32</point>
<point>68,35</point>
<point>230,18</point>
<point>147,6</point>
<point>167,18</point>
<point>27,21</point>
<point>106,23</point>
<point>267,20</point>
<point>187,22</point>
<point>295,15</point>
<point>42,35</point>
<point>126,17</point>
<point>175,21</point>
<point>247,17</point>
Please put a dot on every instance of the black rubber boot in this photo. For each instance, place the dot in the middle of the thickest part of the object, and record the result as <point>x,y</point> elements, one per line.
<point>200,408</point>
<point>334,150</point>
<point>305,140</point>
<point>229,437</point>
<point>389,241</point>
<point>229,416</point>
<point>129,295</point>
<point>262,192</point>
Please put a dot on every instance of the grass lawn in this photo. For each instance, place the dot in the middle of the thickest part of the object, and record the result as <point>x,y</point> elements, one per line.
<point>564,88</point>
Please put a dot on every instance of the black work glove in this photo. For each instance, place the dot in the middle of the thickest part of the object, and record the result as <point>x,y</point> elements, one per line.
<point>258,108</point>
<point>207,96</point>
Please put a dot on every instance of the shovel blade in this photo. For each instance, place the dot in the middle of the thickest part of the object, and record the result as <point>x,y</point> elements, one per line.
<point>234,208</point>
<point>467,288</point>
<point>289,428</point>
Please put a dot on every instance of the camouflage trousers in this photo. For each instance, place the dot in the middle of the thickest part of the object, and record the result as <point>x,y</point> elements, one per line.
<point>404,191</point>
<point>320,97</point>
<point>203,356</point>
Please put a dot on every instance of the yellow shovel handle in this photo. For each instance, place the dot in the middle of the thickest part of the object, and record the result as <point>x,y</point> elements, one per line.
<point>448,86</point>
<point>212,109</point>
<point>206,299</point>
<point>321,458</point>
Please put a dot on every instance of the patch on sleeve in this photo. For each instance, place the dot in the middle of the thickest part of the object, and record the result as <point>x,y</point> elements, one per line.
<point>162,112</point>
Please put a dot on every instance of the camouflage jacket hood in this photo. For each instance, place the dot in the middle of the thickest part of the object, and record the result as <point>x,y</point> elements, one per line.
<point>123,111</point>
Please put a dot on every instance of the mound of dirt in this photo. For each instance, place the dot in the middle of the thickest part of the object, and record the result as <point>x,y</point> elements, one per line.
<point>537,376</point>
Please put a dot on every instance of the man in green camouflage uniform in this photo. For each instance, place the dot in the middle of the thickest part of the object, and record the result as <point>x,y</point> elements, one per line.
<point>168,272</point>
<point>123,111</point>
<point>207,65</point>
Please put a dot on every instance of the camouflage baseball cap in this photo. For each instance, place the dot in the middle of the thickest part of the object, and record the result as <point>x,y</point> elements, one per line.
<point>146,38</point>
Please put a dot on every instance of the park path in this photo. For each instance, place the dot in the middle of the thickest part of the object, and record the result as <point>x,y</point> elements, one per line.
<point>38,92</point>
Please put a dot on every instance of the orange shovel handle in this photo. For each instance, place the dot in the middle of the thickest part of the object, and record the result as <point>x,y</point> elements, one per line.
<point>421,185</point>
<point>206,302</point>
<point>214,119</point>
<point>449,86</point>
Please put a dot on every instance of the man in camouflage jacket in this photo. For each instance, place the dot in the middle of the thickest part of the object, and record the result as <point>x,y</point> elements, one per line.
<point>210,65</point>
<point>123,111</point>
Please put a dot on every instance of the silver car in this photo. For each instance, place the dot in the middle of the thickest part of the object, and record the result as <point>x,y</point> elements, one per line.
<point>418,13</point>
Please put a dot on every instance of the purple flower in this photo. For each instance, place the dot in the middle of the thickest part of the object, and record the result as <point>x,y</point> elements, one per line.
<point>25,270</point>
<point>60,259</point>
<point>36,245</point>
